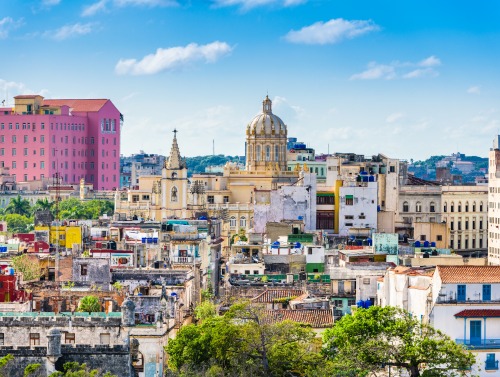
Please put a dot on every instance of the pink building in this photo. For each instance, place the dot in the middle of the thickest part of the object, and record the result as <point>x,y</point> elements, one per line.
<point>73,138</point>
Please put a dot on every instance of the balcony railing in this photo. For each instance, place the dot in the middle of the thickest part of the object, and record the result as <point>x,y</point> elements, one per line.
<point>185,260</point>
<point>491,365</point>
<point>479,343</point>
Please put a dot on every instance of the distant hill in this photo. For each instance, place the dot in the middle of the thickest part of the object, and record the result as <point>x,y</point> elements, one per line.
<point>198,164</point>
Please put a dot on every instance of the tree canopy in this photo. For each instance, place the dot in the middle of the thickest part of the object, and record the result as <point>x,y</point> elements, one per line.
<point>89,304</point>
<point>376,337</point>
<point>243,342</point>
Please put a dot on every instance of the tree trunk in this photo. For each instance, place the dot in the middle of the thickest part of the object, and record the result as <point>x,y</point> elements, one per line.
<point>414,371</point>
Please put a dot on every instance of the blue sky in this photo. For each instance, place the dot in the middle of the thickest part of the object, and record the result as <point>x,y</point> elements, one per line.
<point>406,79</point>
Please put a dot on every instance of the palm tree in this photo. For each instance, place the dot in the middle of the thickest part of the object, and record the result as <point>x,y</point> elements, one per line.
<point>43,204</point>
<point>20,206</point>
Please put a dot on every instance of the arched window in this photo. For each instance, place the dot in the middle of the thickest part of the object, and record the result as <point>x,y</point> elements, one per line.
<point>268,153</point>
<point>257,153</point>
<point>418,207</point>
<point>243,222</point>
<point>276,152</point>
<point>459,206</point>
<point>474,207</point>
<point>445,207</point>
<point>481,207</point>
<point>432,207</point>
<point>173,194</point>
<point>466,206</point>
<point>232,222</point>
<point>452,207</point>
<point>405,207</point>
<point>174,175</point>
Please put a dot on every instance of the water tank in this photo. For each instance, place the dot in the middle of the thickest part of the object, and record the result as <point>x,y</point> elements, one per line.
<point>369,241</point>
<point>367,304</point>
<point>202,218</point>
<point>360,304</point>
<point>365,178</point>
<point>298,245</point>
<point>371,178</point>
<point>10,271</point>
<point>433,244</point>
<point>426,243</point>
<point>417,243</point>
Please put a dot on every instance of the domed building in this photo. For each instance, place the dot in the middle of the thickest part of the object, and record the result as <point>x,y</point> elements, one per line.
<point>266,141</point>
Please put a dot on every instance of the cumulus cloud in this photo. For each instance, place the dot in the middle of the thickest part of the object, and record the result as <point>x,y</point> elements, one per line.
<point>396,69</point>
<point>391,118</point>
<point>249,4</point>
<point>92,9</point>
<point>13,88</point>
<point>102,5</point>
<point>474,90</point>
<point>287,110</point>
<point>69,31</point>
<point>333,31</point>
<point>172,58</point>
<point>7,24</point>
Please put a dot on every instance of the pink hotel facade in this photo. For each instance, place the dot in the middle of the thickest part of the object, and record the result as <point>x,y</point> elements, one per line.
<point>73,138</point>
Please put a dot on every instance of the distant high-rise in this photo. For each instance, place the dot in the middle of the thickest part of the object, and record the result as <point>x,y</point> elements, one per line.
<point>71,138</point>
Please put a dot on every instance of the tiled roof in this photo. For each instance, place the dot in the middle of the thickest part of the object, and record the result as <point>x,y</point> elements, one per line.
<point>478,313</point>
<point>86,105</point>
<point>469,274</point>
<point>271,295</point>
<point>317,318</point>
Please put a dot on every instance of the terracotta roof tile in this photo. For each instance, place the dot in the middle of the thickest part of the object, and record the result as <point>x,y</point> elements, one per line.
<point>476,313</point>
<point>317,318</point>
<point>270,295</point>
<point>85,105</point>
<point>469,274</point>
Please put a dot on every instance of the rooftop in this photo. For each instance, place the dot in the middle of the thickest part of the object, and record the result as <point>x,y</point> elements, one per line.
<point>469,274</point>
<point>85,105</point>
<point>317,318</point>
<point>478,313</point>
<point>271,295</point>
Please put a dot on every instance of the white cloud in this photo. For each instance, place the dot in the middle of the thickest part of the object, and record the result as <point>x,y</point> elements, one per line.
<point>249,4</point>
<point>8,24</point>
<point>101,5</point>
<point>421,72</point>
<point>92,9</point>
<point>332,31</point>
<point>391,118</point>
<point>474,90</point>
<point>286,110</point>
<point>173,57</point>
<point>376,71</point>
<point>431,61</point>
<point>12,88</point>
<point>69,31</point>
<point>396,69</point>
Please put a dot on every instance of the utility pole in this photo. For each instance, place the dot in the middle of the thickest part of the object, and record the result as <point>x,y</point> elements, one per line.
<point>57,228</point>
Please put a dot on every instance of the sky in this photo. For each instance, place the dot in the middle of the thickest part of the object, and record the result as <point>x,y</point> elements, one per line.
<point>408,79</point>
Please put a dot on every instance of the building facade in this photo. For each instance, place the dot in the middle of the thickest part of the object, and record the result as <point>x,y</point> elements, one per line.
<point>66,138</point>
<point>494,204</point>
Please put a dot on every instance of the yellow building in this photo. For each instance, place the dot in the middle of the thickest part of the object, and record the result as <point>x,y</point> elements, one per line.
<point>67,235</point>
<point>230,195</point>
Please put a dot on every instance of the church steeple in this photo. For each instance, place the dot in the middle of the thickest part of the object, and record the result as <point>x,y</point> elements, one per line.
<point>175,160</point>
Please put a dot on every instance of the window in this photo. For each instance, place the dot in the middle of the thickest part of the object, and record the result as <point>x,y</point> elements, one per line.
<point>349,200</point>
<point>325,199</point>
<point>486,292</point>
<point>467,207</point>
<point>406,207</point>
<point>418,207</point>
<point>25,151</point>
<point>452,223</point>
<point>2,151</point>
<point>26,164</point>
<point>480,224</point>
<point>69,338</point>
<point>445,207</point>
<point>2,339</point>
<point>324,220</point>
<point>481,207</point>
<point>491,363</point>
<point>422,237</point>
<point>34,339</point>
<point>257,153</point>
<point>105,338</point>
<point>243,222</point>
<point>173,194</point>
<point>432,207</point>
<point>474,207</point>
<point>25,138</point>
<point>349,217</point>
<point>461,292</point>
<point>226,199</point>
<point>268,153</point>
<point>232,222</point>
<point>83,269</point>
<point>135,198</point>
<point>452,207</point>
<point>439,237</point>
<point>42,164</point>
<point>210,199</point>
<point>14,152</point>
<point>42,152</point>
<point>276,153</point>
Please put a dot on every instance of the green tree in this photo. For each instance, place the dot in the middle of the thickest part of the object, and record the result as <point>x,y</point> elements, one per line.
<point>74,369</point>
<point>32,370</point>
<point>90,304</point>
<point>28,266</point>
<point>244,342</point>
<point>370,338</point>
<point>5,362</point>
<point>18,223</point>
<point>19,206</point>
<point>43,205</point>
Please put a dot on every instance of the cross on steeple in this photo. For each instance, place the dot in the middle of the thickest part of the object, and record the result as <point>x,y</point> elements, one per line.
<point>175,132</point>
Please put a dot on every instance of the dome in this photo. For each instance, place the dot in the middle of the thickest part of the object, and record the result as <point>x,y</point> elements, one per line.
<point>266,123</point>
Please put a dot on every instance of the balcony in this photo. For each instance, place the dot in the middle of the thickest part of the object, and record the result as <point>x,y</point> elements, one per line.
<point>480,343</point>
<point>491,365</point>
<point>185,260</point>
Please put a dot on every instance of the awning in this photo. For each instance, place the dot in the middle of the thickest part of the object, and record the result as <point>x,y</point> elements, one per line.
<point>349,196</point>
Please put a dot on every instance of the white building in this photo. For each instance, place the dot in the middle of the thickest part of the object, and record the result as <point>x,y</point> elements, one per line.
<point>494,204</point>
<point>358,206</point>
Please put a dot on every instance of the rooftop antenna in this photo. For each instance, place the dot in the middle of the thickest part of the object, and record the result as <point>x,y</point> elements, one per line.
<point>213,147</point>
